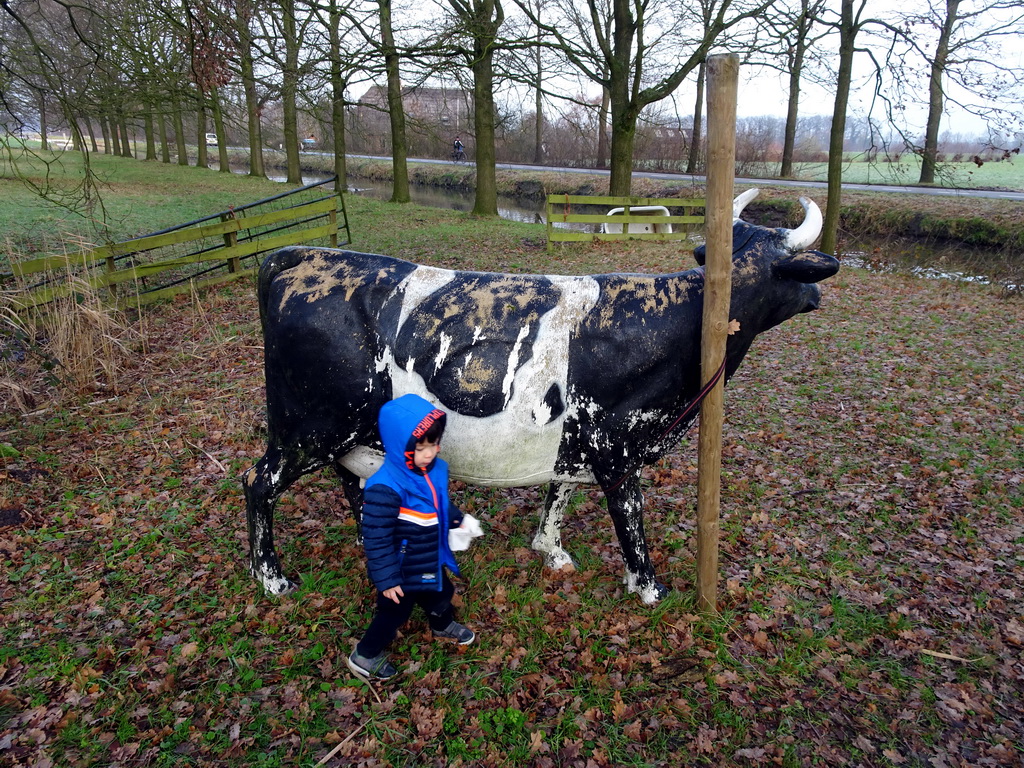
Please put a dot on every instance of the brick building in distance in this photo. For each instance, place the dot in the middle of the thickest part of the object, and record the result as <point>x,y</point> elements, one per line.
<point>434,116</point>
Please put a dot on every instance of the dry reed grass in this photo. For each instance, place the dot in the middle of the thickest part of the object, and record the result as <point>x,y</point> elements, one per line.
<point>71,346</point>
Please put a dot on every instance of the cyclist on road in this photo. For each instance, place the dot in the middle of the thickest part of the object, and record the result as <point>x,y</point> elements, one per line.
<point>458,151</point>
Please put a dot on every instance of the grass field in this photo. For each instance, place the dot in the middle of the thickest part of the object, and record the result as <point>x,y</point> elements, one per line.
<point>132,198</point>
<point>965,174</point>
<point>872,555</point>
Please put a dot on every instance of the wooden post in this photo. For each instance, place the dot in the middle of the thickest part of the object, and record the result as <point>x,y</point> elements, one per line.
<point>722,79</point>
<point>112,267</point>
<point>230,241</point>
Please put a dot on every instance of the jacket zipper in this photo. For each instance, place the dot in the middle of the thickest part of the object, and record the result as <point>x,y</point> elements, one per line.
<point>442,530</point>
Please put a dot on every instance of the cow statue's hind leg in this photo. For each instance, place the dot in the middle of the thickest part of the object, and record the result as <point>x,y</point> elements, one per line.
<point>548,539</point>
<point>264,483</point>
<point>626,505</point>
<point>351,483</point>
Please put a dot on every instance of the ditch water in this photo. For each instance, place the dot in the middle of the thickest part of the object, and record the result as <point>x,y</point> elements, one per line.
<point>951,262</point>
<point>514,209</point>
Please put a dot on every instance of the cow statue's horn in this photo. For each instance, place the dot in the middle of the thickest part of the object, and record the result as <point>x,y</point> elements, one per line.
<point>800,238</point>
<point>741,202</point>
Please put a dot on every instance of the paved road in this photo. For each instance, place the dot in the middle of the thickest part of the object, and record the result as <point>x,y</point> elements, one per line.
<point>935,191</point>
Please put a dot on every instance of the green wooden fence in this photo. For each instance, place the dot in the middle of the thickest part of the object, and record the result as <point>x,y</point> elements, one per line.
<point>560,210</point>
<point>217,248</point>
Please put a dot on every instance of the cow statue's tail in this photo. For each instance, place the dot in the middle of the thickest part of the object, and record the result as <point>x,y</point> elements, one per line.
<point>272,266</point>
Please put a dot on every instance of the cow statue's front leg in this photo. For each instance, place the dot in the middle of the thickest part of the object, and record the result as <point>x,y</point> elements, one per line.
<point>548,539</point>
<point>626,506</point>
<point>263,484</point>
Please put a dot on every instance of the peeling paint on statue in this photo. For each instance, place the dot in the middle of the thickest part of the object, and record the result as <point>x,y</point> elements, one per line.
<point>554,379</point>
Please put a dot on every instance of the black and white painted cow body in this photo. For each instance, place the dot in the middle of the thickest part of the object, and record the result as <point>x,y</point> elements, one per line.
<point>546,379</point>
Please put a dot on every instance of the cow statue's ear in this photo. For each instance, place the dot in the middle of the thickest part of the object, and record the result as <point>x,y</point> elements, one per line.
<point>806,266</point>
<point>700,255</point>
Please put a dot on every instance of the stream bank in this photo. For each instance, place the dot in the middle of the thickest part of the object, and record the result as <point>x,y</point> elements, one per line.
<point>973,238</point>
<point>994,225</point>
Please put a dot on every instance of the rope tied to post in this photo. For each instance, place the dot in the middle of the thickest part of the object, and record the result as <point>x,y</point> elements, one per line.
<point>704,392</point>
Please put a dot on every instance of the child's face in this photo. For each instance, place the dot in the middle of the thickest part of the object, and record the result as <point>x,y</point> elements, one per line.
<point>425,453</point>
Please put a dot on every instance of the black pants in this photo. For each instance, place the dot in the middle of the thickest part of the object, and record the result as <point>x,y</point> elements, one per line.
<point>391,616</point>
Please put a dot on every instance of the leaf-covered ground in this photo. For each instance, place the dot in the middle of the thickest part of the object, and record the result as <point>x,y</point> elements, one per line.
<point>872,569</point>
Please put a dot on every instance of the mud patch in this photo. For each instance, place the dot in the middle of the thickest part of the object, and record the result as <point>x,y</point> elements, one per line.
<point>12,516</point>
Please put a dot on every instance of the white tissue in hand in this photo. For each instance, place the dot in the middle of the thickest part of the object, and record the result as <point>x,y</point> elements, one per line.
<point>459,538</point>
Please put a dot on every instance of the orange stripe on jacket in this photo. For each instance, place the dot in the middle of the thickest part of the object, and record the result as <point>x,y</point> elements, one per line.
<point>416,517</point>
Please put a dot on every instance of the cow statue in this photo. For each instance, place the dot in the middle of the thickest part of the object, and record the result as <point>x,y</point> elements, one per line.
<point>545,378</point>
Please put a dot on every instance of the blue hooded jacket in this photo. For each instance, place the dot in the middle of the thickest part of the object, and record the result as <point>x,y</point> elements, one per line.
<point>406,512</point>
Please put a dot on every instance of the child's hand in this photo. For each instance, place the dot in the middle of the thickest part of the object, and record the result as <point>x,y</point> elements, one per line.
<point>394,593</point>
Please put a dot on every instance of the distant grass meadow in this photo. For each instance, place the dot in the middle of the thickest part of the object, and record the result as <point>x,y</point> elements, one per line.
<point>872,545</point>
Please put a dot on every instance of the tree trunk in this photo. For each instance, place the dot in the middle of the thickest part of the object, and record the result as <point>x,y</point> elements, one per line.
<point>150,135</point>
<point>796,66</point>
<point>620,181</point>
<point>847,36</point>
<point>165,147</point>
<point>115,137</point>
<point>92,135</point>
<point>44,128</point>
<point>792,112</point>
<point>218,126</point>
<point>127,146</point>
<point>929,157</point>
<point>202,155</point>
<point>337,97</point>
<point>486,202</point>
<point>399,147</point>
<point>602,131</point>
<point>289,92</point>
<point>76,134</point>
<point>623,124</point>
<point>693,160</point>
<point>105,131</point>
<point>179,134</point>
<point>252,104</point>
<point>538,128</point>
<point>623,109</point>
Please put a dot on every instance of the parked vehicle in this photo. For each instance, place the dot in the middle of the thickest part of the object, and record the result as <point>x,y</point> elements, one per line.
<point>211,139</point>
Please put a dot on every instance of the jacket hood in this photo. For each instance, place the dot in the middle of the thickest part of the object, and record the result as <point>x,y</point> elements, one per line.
<point>402,423</point>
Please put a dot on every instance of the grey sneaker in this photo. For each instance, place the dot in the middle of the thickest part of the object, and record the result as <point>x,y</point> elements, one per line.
<point>455,631</point>
<point>377,668</point>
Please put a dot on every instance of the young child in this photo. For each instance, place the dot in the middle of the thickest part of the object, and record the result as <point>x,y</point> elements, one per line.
<point>406,519</point>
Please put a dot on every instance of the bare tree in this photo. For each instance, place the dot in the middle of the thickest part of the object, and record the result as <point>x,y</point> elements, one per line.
<point>340,61</point>
<point>848,24</point>
<point>474,38</point>
<point>794,27</point>
<point>693,159</point>
<point>244,12</point>
<point>399,145</point>
<point>642,60</point>
<point>47,50</point>
<point>961,41</point>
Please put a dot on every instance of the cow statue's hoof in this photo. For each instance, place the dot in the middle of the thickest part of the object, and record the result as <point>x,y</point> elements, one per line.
<point>650,591</point>
<point>274,584</point>
<point>559,560</point>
